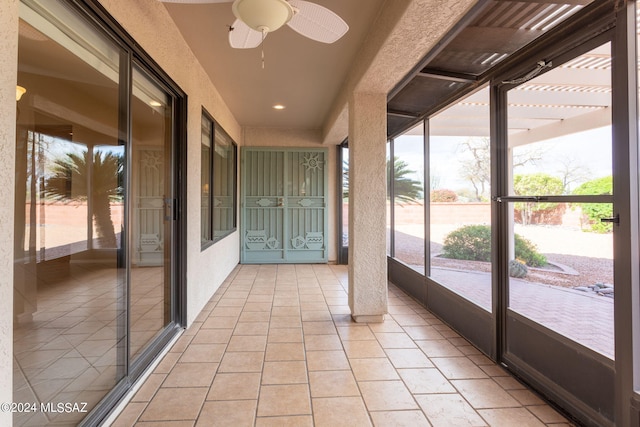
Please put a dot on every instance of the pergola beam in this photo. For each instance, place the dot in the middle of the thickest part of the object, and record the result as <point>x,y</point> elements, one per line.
<point>592,120</point>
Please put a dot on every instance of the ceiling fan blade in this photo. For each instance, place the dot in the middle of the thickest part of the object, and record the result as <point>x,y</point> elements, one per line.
<point>195,1</point>
<point>317,22</point>
<point>241,36</point>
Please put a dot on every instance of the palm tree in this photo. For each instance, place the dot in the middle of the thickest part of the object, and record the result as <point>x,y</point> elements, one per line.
<point>406,189</point>
<point>98,181</point>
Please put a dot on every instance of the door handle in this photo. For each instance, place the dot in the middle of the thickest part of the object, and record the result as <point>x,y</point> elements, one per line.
<point>169,210</point>
<point>614,220</point>
<point>535,199</point>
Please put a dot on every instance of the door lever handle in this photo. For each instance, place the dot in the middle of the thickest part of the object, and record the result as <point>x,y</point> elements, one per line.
<point>614,220</point>
<point>169,209</point>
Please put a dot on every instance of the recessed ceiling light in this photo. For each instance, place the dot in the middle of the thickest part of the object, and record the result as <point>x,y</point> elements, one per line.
<point>278,107</point>
<point>155,104</point>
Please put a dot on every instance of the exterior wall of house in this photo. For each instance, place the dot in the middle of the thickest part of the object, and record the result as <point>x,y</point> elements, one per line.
<point>267,137</point>
<point>8,79</point>
<point>149,23</point>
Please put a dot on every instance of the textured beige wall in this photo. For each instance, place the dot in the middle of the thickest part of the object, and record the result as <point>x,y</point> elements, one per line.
<point>268,137</point>
<point>149,23</point>
<point>8,79</point>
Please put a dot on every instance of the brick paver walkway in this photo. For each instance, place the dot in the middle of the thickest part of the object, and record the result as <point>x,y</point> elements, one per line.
<point>585,318</point>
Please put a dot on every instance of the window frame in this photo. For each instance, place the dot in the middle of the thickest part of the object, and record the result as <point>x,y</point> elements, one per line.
<point>209,238</point>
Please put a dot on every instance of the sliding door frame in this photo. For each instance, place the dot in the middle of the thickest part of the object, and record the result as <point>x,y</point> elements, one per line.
<point>176,207</point>
<point>627,204</point>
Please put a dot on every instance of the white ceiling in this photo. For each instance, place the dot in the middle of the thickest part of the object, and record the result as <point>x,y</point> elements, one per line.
<point>304,75</point>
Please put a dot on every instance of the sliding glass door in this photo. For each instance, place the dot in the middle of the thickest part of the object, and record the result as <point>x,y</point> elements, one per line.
<point>151,198</point>
<point>95,283</point>
<point>70,281</point>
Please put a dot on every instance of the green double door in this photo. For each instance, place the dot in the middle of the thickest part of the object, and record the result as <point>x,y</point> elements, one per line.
<point>284,206</point>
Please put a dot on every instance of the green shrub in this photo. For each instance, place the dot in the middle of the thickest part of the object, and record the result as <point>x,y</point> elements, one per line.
<point>596,211</point>
<point>473,243</point>
<point>443,195</point>
<point>527,252</point>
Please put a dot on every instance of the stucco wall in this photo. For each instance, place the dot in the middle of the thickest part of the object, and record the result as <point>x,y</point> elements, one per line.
<point>8,79</point>
<point>267,137</point>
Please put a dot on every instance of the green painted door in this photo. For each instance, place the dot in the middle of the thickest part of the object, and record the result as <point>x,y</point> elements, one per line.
<point>284,205</point>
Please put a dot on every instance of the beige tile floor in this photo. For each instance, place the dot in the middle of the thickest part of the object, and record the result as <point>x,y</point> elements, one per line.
<point>68,350</point>
<point>276,346</point>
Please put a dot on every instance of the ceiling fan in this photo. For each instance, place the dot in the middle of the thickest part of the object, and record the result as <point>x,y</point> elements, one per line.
<point>257,18</point>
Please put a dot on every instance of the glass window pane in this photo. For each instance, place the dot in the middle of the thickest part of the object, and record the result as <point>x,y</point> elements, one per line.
<point>560,128</point>
<point>459,202</point>
<point>407,171</point>
<point>68,285</point>
<point>205,174</point>
<point>224,184</point>
<point>561,254</point>
<point>345,196</point>
<point>569,161</point>
<point>150,233</point>
<point>389,252</point>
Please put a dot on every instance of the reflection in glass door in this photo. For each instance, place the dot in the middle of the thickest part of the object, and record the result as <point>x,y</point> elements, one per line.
<point>151,194</point>
<point>559,225</point>
<point>69,282</point>
<point>94,263</point>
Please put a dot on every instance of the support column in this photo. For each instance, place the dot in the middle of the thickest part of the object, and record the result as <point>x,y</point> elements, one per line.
<point>367,207</point>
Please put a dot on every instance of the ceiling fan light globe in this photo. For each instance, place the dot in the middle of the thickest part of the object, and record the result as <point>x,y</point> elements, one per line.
<point>262,15</point>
